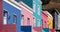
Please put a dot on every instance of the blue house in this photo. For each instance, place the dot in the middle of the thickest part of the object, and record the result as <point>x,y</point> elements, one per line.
<point>11,14</point>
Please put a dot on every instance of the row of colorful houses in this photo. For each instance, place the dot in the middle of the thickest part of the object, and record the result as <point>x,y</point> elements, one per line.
<point>27,16</point>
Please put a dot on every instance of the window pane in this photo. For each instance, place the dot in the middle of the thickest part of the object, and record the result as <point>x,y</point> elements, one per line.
<point>5,17</point>
<point>28,21</point>
<point>38,23</point>
<point>38,10</point>
<point>34,6</point>
<point>34,22</point>
<point>22,20</point>
<point>14,19</point>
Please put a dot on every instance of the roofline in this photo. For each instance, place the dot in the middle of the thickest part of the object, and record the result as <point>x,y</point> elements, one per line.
<point>17,4</point>
<point>44,13</point>
<point>12,4</point>
<point>51,9</point>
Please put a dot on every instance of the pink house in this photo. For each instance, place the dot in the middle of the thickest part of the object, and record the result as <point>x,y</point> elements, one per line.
<point>44,20</point>
<point>26,15</point>
<point>27,18</point>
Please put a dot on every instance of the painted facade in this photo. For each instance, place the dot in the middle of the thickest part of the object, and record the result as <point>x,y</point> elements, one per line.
<point>50,23</point>
<point>55,14</point>
<point>37,9</point>
<point>58,24</point>
<point>45,29</point>
<point>44,20</point>
<point>11,17</point>
<point>37,14</point>
<point>0,15</point>
<point>25,10</point>
<point>27,19</point>
<point>59,21</point>
<point>26,15</point>
<point>52,30</point>
<point>50,20</point>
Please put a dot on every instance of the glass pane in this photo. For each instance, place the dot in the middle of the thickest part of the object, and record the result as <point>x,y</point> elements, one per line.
<point>34,22</point>
<point>38,23</point>
<point>34,7</point>
<point>14,19</point>
<point>22,20</point>
<point>38,10</point>
<point>28,21</point>
<point>5,17</point>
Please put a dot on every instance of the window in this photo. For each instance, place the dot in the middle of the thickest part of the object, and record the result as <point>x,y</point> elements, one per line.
<point>45,24</point>
<point>38,23</point>
<point>34,24</point>
<point>34,6</point>
<point>28,21</point>
<point>5,13</point>
<point>38,10</point>
<point>14,18</point>
<point>22,20</point>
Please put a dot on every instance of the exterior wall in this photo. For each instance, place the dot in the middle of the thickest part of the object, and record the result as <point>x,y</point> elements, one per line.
<point>44,20</point>
<point>56,20</point>
<point>51,30</point>
<point>25,22</point>
<point>37,14</point>
<point>9,28</point>
<point>0,15</point>
<point>27,15</point>
<point>59,22</point>
<point>50,23</point>
<point>37,29</point>
<point>11,9</point>
<point>55,14</point>
<point>45,29</point>
<point>50,20</point>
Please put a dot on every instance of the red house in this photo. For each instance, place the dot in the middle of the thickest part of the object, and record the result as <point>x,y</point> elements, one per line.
<point>0,15</point>
<point>44,20</point>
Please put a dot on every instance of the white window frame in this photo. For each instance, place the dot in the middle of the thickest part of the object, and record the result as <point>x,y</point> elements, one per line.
<point>34,22</point>
<point>38,23</point>
<point>28,21</point>
<point>14,20</point>
<point>38,10</point>
<point>34,6</point>
<point>22,20</point>
<point>5,17</point>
